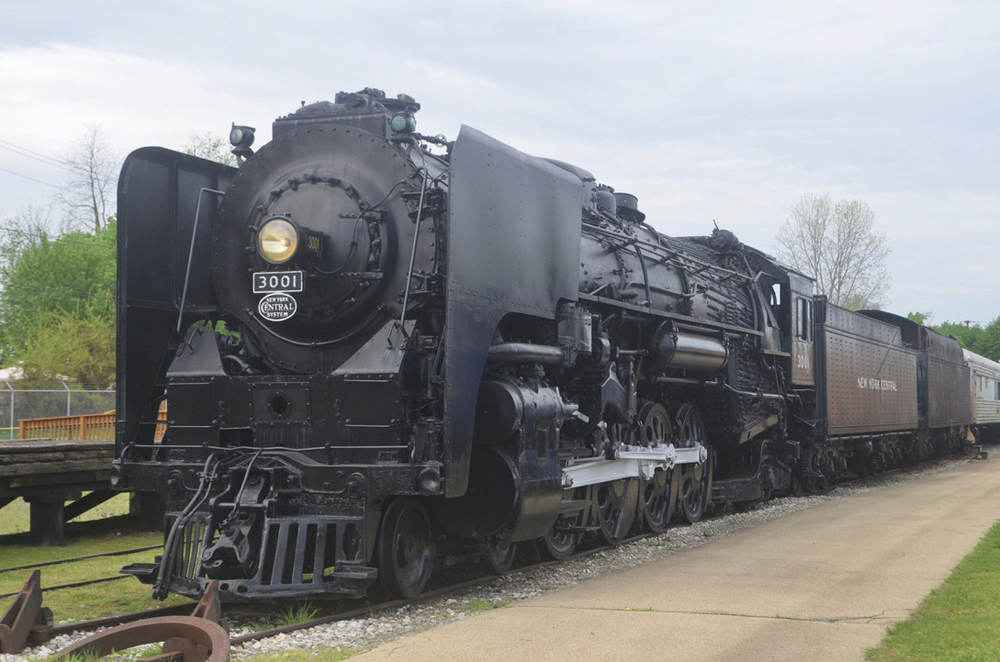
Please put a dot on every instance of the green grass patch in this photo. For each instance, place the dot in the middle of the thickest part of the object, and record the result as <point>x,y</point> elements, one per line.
<point>298,613</point>
<point>324,653</point>
<point>15,517</point>
<point>958,622</point>
<point>84,656</point>
<point>92,601</point>
<point>479,604</point>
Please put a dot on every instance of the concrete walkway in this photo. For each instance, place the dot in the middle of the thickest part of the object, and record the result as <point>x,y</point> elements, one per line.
<point>818,585</point>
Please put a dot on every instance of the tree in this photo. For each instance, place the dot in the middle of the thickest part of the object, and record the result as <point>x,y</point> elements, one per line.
<point>984,341</point>
<point>211,147</point>
<point>80,346</point>
<point>73,274</point>
<point>838,245</point>
<point>89,196</point>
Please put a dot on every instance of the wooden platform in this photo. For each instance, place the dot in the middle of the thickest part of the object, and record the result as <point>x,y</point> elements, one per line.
<point>48,474</point>
<point>29,462</point>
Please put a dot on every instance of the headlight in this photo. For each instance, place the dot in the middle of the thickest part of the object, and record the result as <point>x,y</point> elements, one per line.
<point>277,240</point>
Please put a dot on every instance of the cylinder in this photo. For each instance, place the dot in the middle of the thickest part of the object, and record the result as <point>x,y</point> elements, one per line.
<point>688,351</point>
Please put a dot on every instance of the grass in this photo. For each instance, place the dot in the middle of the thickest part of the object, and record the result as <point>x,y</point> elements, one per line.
<point>15,517</point>
<point>84,656</point>
<point>324,653</point>
<point>85,602</point>
<point>958,622</point>
<point>479,604</point>
<point>298,613</point>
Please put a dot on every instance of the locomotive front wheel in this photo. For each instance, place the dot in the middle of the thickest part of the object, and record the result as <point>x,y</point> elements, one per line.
<point>405,549</point>
<point>616,507</point>
<point>694,480</point>
<point>657,496</point>
<point>560,540</point>
<point>500,560</point>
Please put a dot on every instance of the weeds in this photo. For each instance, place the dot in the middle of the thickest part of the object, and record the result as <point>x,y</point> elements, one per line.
<point>479,604</point>
<point>298,613</point>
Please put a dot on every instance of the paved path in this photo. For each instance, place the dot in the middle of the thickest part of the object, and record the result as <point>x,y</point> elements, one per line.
<point>817,585</point>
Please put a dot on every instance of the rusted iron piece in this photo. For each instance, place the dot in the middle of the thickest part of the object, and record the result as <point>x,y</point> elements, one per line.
<point>194,638</point>
<point>208,608</point>
<point>209,642</point>
<point>26,616</point>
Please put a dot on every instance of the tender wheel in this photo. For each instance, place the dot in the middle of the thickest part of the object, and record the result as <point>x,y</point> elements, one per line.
<point>657,496</point>
<point>405,549</point>
<point>615,506</point>
<point>500,560</point>
<point>694,480</point>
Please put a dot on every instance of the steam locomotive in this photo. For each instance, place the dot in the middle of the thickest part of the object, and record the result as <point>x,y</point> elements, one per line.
<point>382,351</point>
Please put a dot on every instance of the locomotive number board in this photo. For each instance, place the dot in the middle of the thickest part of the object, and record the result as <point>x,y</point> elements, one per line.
<point>265,282</point>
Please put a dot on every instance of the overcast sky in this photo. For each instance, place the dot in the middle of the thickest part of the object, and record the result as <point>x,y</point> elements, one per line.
<point>725,111</point>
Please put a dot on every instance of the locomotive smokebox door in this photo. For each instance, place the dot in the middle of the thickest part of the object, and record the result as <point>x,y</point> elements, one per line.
<point>513,247</point>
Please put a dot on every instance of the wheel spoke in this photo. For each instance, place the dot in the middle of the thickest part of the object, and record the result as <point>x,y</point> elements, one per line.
<point>695,480</point>
<point>558,543</point>
<point>616,508</point>
<point>658,496</point>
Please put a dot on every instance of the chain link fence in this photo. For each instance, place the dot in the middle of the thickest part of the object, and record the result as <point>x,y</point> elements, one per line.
<point>17,402</point>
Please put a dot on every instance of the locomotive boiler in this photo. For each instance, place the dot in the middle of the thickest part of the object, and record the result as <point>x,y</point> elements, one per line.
<point>382,351</point>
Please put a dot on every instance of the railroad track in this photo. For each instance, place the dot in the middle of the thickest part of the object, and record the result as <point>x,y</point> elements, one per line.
<point>353,610</point>
<point>85,582</point>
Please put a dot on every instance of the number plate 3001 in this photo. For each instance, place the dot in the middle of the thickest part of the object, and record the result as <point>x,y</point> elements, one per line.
<point>277,281</point>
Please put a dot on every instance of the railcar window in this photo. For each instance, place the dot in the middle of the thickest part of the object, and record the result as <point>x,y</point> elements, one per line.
<point>803,311</point>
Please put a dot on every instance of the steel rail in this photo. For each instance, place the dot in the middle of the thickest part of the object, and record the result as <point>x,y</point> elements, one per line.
<point>85,582</point>
<point>40,564</point>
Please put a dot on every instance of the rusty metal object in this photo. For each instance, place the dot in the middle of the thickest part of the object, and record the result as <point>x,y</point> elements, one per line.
<point>25,616</point>
<point>202,633</point>
<point>208,608</point>
<point>112,621</point>
<point>195,638</point>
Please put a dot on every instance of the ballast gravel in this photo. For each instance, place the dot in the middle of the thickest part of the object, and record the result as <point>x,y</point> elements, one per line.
<point>364,633</point>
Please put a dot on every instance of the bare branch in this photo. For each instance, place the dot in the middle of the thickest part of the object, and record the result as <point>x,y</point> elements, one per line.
<point>837,244</point>
<point>89,196</point>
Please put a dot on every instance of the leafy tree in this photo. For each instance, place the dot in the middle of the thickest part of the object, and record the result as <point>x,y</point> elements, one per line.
<point>46,279</point>
<point>837,244</point>
<point>211,147</point>
<point>920,318</point>
<point>80,346</point>
<point>974,337</point>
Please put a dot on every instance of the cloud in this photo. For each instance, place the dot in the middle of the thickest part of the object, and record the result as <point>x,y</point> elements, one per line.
<point>724,110</point>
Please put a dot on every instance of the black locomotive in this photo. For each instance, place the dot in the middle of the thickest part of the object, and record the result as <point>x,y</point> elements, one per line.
<point>381,351</point>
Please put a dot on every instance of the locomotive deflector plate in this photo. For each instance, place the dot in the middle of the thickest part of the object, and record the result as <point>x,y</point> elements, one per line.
<point>513,247</point>
<point>158,193</point>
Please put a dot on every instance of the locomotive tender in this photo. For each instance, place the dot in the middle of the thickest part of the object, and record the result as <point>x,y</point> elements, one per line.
<point>383,351</point>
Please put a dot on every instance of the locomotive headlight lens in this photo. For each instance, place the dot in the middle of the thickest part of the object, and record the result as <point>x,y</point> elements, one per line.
<point>277,240</point>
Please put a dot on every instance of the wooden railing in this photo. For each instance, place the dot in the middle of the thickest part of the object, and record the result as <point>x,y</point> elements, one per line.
<point>61,428</point>
<point>85,426</point>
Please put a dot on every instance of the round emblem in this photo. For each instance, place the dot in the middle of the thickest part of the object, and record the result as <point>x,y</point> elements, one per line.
<point>277,307</point>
